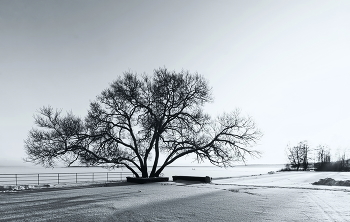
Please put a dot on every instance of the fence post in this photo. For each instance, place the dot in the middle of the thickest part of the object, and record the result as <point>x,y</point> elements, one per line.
<point>107,176</point>
<point>76,177</point>
<point>16,179</point>
<point>58,178</point>
<point>92,177</point>
<point>38,179</point>
<point>121,176</point>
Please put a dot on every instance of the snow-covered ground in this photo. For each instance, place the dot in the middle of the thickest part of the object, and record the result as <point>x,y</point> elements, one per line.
<point>282,196</point>
<point>291,179</point>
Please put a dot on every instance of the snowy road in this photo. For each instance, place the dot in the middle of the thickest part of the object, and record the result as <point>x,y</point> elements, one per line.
<point>224,200</point>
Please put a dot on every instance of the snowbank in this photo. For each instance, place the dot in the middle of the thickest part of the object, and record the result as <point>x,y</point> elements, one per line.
<point>332,182</point>
<point>13,188</point>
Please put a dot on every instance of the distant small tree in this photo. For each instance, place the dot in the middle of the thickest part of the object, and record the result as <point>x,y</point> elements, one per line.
<point>298,155</point>
<point>136,119</point>
<point>323,154</point>
<point>323,158</point>
<point>342,162</point>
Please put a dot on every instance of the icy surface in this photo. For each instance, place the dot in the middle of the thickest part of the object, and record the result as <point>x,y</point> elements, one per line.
<point>282,196</point>
<point>292,179</point>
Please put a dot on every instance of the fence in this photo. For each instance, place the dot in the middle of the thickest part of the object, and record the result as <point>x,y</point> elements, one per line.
<point>57,178</point>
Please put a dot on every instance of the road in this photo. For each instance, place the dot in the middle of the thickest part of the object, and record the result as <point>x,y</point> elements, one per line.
<point>177,202</point>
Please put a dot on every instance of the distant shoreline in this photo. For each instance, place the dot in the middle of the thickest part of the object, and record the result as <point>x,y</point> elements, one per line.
<point>238,165</point>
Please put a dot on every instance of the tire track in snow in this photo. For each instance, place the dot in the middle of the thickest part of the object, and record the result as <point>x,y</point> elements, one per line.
<point>329,212</point>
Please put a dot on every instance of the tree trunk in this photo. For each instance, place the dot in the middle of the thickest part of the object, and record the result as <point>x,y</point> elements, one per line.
<point>144,171</point>
<point>156,158</point>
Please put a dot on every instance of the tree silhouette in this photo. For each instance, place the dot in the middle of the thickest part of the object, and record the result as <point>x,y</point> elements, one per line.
<point>136,119</point>
<point>298,155</point>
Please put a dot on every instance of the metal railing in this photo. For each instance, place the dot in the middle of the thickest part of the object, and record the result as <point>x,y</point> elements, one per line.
<point>57,178</point>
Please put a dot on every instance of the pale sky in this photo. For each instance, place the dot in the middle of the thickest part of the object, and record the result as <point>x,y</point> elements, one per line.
<point>284,63</point>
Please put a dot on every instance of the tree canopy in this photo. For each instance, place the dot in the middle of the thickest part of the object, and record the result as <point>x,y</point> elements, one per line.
<point>298,155</point>
<point>137,118</point>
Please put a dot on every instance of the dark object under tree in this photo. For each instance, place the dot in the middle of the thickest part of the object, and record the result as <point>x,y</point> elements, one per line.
<point>138,117</point>
<point>205,179</point>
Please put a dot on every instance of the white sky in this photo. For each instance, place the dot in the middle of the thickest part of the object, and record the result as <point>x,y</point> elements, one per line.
<point>285,63</point>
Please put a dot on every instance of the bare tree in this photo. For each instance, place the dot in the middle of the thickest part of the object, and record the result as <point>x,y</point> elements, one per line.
<point>324,160</point>
<point>298,155</point>
<point>342,162</point>
<point>323,154</point>
<point>136,119</point>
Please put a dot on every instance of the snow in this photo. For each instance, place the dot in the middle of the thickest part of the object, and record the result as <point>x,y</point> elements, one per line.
<point>291,179</point>
<point>279,196</point>
<point>13,188</point>
<point>332,182</point>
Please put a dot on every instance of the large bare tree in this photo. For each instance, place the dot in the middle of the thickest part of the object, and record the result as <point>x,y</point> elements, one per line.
<point>136,119</point>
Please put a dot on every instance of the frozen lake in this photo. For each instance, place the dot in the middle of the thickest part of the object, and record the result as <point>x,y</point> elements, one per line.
<point>212,171</point>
